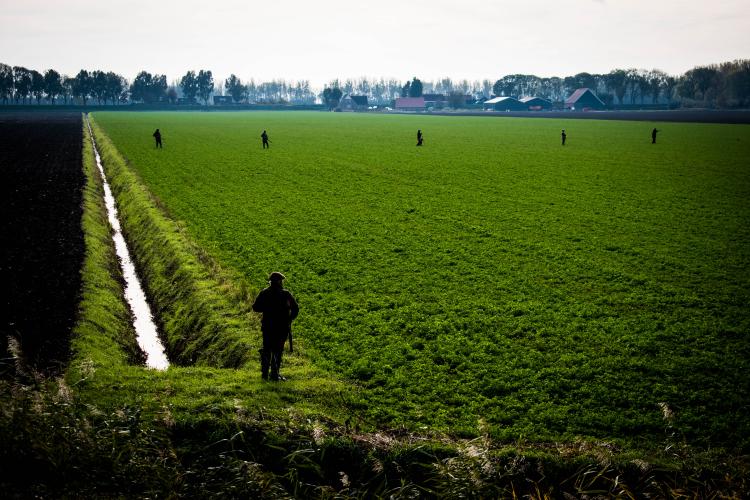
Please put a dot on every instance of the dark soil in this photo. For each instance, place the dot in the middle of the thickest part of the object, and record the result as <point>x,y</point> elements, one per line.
<point>41,183</point>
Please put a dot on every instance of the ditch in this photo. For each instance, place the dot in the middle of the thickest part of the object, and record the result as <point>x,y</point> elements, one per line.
<point>145,328</point>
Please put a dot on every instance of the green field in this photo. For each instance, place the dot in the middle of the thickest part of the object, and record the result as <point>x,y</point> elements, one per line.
<point>491,280</point>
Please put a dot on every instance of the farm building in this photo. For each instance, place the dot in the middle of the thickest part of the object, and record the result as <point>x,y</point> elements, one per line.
<point>466,99</point>
<point>435,100</point>
<point>410,103</point>
<point>583,99</point>
<point>536,103</point>
<point>353,103</point>
<point>504,104</point>
<point>222,100</point>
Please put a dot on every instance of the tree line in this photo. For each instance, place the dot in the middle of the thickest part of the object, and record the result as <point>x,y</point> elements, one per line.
<point>19,85</point>
<point>717,85</point>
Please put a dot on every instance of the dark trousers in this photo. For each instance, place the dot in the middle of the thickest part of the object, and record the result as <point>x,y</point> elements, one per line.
<point>270,355</point>
<point>265,144</point>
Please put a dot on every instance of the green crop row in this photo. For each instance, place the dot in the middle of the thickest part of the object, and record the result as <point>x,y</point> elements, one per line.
<point>115,428</point>
<point>491,275</point>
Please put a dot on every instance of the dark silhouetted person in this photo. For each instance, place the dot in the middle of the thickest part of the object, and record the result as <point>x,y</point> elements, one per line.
<point>563,136</point>
<point>279,310</point>
<point>653,136</point>
<point>264,136</point>
<point>157,136</point>
<point>419,138</point>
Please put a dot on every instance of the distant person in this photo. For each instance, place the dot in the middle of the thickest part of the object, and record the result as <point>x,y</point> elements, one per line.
<point>279,310</point>
<point>563,136</point>
<point>419,138</point>
<point>653,136</point>
<point>264,136</point>
<point>157,137</point>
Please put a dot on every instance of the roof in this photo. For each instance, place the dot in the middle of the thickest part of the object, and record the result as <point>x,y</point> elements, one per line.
<point>495,100</point>
<point>575,96</point>
<point>360,99</point>
<point>526,100</point>
<point>410,102</point>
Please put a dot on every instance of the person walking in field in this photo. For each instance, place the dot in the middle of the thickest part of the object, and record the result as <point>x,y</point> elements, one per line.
<point>157,137</point>
<point>419,138</point>
<point>264,136</point>
<point>279,310</point>
<point>563,136</point>
<point>653,136</point>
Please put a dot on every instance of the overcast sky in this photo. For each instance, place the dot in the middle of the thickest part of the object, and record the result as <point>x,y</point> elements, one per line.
<point>325,39</point>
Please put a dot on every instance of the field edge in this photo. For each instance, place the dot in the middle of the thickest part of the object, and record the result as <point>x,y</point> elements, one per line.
<point>205,318</point>
<point>104,333</point>
<point>128,449</point>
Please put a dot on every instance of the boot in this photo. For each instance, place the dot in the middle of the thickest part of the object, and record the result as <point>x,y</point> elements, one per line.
<point>275,366</point>
<point>265,364</point>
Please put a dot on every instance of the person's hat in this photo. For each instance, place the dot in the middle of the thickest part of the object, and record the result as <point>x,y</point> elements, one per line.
<point>276,276</point>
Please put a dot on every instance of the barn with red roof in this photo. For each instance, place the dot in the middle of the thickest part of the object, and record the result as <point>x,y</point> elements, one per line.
<point>583,99</point>
<point>410,103</point>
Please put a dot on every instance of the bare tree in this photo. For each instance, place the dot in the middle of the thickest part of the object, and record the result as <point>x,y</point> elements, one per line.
<point>236,88</point>
<point>189,85</point>
<point>82,86</point>
<point>655,82</point>
<point>99,86</point>
<point>205,82</point>
<point>668,87</point>
<point>37,86</point>
<point>115,88</point>
<point>6,82</point>
<point>617,81</point>
<point>486,88</point>
<point>67,84</point>
<point>52,85</point>
<point>21,83</point>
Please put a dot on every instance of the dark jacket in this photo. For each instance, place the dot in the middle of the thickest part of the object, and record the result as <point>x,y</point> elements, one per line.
<point>279,310</point>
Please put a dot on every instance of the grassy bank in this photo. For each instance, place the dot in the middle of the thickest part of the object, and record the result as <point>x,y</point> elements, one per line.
<point>115,428</point>
<point>205,320</point>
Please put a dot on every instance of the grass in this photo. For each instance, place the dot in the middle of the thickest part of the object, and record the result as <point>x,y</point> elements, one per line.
<point>492,274</point>
<point>113,428</point>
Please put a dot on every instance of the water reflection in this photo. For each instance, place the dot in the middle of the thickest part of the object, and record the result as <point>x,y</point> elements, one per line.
<point>145,329</point>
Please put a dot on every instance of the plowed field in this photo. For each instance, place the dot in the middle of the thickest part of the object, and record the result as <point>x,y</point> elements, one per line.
<point>42,241</point>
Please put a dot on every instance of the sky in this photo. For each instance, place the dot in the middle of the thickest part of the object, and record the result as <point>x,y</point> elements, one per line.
<point>326,39</point>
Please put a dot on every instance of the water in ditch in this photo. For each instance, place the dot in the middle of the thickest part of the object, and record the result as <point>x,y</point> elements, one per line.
<point>145,328</point>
